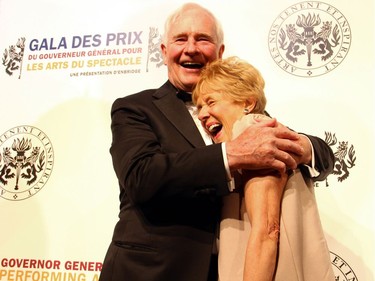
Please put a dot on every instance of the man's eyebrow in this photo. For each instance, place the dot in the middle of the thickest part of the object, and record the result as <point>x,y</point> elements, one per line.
<point>204,34</point>
<point>181,34</point>
<point>195,34</point>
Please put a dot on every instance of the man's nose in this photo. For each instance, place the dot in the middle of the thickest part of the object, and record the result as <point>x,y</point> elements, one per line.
<point>191,46</point>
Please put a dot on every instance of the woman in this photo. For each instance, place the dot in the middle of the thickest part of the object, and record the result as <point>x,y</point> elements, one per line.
<point>230,97</point>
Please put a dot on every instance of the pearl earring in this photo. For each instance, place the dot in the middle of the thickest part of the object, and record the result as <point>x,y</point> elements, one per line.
<point>246,111</point>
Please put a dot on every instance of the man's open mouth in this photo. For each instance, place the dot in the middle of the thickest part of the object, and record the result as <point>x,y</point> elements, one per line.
<point>192,65</point>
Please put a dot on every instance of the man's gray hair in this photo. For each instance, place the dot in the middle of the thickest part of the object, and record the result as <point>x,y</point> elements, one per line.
<point>173,17</point>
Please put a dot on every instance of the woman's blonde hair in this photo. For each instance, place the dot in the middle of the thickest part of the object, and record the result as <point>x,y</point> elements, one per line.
<point>235,78</point>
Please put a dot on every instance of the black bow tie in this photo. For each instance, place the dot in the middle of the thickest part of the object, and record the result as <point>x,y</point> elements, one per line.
<point>185,97</point>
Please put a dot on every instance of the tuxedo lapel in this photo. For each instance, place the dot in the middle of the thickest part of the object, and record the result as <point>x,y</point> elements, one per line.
<point>176,112</point>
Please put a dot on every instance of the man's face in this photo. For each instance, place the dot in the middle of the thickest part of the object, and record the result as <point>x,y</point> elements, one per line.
<point>217,113</point>
<point>191,43</point>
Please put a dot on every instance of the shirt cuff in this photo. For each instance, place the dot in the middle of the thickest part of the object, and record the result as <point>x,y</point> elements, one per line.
<point>230,179</point>
<point>313,172</point>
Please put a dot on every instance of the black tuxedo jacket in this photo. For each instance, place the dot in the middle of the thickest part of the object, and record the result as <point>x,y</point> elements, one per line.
<point>170,188</point>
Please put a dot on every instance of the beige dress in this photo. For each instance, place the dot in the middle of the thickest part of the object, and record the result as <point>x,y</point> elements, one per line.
<point>303,251</point>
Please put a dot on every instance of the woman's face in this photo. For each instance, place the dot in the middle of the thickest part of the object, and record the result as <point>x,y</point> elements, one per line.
<point>217,113</point>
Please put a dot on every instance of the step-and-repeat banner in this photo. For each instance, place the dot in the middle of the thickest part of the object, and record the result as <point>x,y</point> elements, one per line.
<point>65,62</point>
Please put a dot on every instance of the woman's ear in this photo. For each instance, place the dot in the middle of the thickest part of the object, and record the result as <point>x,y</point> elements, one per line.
<point>250,105</point>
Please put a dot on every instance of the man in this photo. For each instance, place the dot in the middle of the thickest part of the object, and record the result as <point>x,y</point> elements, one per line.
<point>170,181</point>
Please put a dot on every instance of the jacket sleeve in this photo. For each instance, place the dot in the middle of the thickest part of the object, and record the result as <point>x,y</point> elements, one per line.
<point>324,158</point>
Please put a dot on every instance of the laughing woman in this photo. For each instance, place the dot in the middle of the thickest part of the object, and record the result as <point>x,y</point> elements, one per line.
<point>270,227</point>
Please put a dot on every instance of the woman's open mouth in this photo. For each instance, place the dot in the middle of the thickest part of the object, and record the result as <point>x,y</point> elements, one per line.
<point>214,129</point>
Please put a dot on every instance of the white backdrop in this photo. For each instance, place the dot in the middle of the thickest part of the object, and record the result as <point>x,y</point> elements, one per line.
<point>59,195</point>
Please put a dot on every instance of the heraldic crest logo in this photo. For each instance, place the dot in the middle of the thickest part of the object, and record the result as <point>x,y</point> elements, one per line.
<point>154,54</point>
<point>342,270</point>
<point>309,39</point>
<point>345,157</point>
<point>26,162</point>
<point>13,57</point>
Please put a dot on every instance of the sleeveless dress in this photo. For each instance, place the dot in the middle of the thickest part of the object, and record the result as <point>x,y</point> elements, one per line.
<point>303,254</point>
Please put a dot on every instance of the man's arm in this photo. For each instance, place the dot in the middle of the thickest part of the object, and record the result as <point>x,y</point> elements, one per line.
<point>265,145</point>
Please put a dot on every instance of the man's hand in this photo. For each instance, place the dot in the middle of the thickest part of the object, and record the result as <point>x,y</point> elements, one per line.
<point>266,145</point>
<point>305,158</point>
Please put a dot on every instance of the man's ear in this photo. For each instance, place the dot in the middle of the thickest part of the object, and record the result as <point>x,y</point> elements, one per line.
<point>221,51</point>
<point>164,53</point>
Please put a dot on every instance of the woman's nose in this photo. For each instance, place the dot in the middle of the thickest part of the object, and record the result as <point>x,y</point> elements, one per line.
<point>203,114</point>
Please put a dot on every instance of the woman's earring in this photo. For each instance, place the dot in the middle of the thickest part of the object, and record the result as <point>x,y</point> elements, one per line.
<point>246,111</point>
